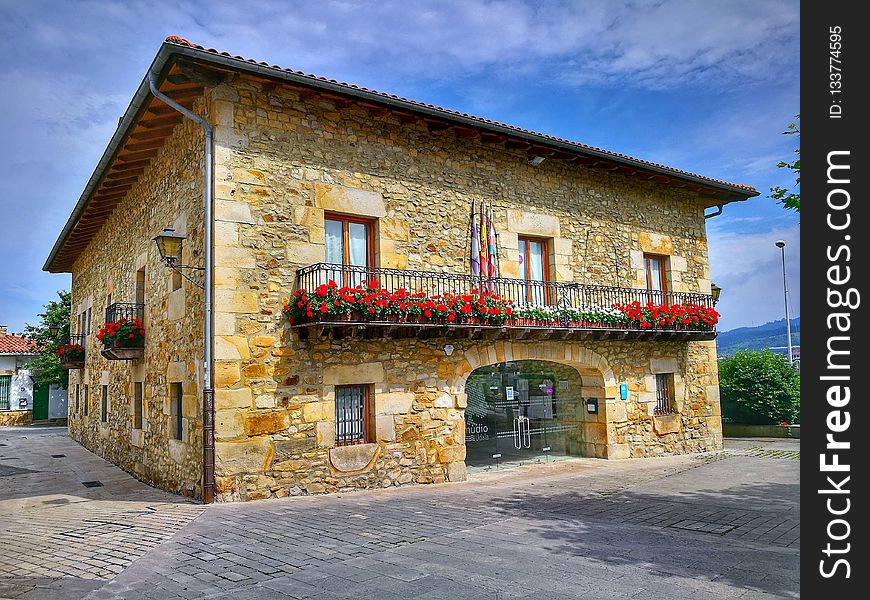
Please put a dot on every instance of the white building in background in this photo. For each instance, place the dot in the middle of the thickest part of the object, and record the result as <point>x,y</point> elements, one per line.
<point>21,399</point>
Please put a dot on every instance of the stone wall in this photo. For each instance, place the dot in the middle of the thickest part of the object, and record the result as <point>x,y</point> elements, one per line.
<point>15,418</point>
<point>167,194</point>
<point>284,159</point>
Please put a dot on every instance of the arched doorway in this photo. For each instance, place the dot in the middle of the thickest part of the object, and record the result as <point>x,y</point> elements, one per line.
<point>524,411</point>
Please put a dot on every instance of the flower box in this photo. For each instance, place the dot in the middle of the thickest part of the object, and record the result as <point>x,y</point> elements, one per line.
<point>121,353</point>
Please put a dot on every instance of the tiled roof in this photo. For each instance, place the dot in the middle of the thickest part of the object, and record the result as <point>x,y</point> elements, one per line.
<point>449,112</point>
<point>13,344</point>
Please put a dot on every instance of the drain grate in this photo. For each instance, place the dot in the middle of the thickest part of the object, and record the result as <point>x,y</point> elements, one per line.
<point>58,455</point>
<point>92,483</point>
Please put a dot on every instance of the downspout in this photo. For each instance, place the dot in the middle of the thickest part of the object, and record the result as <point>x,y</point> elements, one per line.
<point>716,213</point>
<point>208,453</point>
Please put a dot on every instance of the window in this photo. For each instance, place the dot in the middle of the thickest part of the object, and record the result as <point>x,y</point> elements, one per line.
<point>349,242</point>
<point>175,397</point>
<point>352,415</point>
<point>86,399</point>
<point>140,286</point>
<point>664,393</point>
<point>655,276</point>
<point>137,405</point>
<point>77,398</point>
<point>534,269</point>
<point>5,387</point>
<point>88,322</point>
<point>104,404</point>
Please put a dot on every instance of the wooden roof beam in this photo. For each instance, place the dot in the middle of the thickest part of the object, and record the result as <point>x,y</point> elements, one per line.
<point>465,132</point>
<point>112,175</point>
<point>136,156</point>
<point>128,166</point>
<point>191,72</point>
<point>174,119</point>
<point>435,126</point>
<point>130,180</point>
<point>162,109</point>
<point>517,145</point>
<point>145,145</point>
<point>492,138</point>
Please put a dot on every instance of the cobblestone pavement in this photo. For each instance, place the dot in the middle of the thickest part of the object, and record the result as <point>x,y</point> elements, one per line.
<point>58,536</point>
<point>704,526</point>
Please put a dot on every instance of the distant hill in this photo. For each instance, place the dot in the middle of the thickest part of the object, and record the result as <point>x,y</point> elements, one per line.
<point>769,335</point>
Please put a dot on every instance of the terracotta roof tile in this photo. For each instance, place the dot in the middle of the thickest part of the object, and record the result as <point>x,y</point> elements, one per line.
<point>580,147</point>
<point>13,344</point>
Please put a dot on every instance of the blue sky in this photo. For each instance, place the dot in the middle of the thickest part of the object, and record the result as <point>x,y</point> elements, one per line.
<point>703,86</point>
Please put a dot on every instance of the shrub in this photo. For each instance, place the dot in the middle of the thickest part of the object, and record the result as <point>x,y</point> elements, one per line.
<point>759,388</point>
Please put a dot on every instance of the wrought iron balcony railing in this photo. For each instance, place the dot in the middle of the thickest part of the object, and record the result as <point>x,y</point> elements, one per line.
<point>124,349</point>
<point>71,354</point>
<point>124,310</point>
<point>560,302</point>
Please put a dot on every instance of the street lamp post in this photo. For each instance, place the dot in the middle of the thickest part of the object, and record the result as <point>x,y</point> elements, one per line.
<point>781,245</point>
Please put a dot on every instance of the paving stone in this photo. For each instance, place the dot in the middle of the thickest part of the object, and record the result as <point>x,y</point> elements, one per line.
<point>671,528</point>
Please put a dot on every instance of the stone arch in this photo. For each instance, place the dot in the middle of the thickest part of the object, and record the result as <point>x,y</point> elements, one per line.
<point>586,361</point>
<point>597,377</point>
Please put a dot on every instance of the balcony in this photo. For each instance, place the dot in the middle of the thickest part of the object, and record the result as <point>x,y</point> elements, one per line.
<point>71,354</point>
<point>123,336</point>
<point>371,303</point>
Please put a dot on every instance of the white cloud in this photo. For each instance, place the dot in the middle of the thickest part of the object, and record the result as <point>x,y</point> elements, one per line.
<point>748,268</point>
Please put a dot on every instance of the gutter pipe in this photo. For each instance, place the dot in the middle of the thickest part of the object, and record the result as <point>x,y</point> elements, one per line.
<point>208,451</point>
<point>715,213</point>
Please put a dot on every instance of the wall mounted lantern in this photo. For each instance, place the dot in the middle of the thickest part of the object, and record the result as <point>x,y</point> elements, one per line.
<point>169,247</point>
<point>715,290</point>
<point>448,349</point>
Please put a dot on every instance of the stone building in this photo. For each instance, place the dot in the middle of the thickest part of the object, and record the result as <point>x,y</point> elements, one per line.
<point>16,383</point>
<point>317,181</point>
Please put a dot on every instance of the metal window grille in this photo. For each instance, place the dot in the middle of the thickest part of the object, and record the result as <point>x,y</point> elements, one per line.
<point>86,400</point>
<point>664,393</point>
<point>104,405</point>
<point>351,414</point>
<point>137,405</point>
<point>177,394</point>
<point>5,385</point>
<point>77,398</point>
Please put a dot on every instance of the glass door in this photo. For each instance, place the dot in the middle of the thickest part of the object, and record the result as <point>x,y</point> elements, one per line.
<point>522,412</point>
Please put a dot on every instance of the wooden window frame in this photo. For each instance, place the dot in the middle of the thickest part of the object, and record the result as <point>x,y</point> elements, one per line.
<point>138,404</point>
<point>140,291</point>
<point>104,404</point>
<point>177,414</point>
<point>545,246</point>
<point>665,402</point>
<point>345,236</point>
<point>369,433</point>
<point>646,267</point>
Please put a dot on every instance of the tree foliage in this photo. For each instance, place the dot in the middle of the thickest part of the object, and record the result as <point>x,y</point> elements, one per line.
<point>46,366</point>
<point>759,388</point>
<point>790,198</point>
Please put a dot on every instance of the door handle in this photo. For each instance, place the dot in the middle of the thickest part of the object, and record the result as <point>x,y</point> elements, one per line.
<point>522,432</point>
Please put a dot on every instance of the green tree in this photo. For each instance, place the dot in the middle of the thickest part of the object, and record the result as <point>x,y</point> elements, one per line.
<point>759,388</point>
<point>788,197</point>
<point>46,366</point>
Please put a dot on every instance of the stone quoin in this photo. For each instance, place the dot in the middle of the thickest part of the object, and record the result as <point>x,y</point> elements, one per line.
<point>302,165</point>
